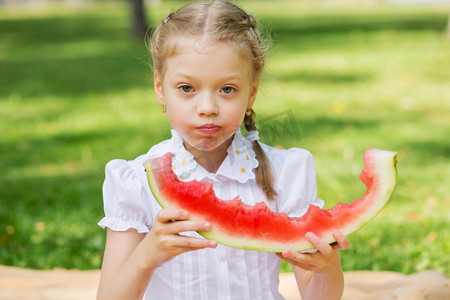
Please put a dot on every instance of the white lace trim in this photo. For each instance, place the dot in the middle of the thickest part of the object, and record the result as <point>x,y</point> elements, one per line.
<point>183,162</point>
<point>253,136</point>
<point>240,153</point>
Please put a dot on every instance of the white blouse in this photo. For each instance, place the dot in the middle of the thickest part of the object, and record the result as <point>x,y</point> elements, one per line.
<point>223,272</point>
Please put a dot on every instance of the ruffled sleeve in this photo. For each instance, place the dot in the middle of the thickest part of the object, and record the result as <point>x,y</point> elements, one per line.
<point>296,183</point>
<point>124,199</point>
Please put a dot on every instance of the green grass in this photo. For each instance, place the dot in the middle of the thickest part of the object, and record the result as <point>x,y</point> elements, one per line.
<point>76,92</point>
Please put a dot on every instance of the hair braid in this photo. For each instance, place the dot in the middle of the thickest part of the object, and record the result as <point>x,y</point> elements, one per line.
<point>263,173</point>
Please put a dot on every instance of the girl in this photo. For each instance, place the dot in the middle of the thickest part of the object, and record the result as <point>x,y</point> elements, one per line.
<point>208,59</point>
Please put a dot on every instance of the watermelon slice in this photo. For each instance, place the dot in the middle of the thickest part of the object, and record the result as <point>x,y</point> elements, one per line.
<point>256,227</point>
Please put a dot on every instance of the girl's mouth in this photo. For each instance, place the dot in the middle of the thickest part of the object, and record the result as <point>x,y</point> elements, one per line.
<point>208,128</point>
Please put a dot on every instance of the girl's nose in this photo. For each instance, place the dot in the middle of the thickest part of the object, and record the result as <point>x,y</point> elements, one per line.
<point>207,104</point>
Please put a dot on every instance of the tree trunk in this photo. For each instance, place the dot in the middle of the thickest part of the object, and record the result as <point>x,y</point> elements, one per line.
<point>138,18</point>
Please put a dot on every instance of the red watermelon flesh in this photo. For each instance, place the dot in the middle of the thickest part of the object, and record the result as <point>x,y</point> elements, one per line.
<point>256,227</point>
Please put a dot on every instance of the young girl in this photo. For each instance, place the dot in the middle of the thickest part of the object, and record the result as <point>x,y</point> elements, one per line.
<point>208,59</point>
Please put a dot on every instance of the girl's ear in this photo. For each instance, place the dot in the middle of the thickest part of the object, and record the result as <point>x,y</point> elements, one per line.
<point>157,83</point>
<point>253,92</point>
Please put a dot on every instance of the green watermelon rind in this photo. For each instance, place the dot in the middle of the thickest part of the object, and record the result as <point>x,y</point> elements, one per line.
<point>387,161</point>
<point>384,163</point>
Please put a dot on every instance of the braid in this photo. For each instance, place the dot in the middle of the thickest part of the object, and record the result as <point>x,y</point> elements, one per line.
<point>249,120</point>
<point>263,173</point>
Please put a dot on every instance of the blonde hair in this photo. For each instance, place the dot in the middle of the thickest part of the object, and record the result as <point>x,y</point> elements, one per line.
<point>225,22</point>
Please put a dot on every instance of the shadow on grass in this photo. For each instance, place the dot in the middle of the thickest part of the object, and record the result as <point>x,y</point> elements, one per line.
<point>74,77</point>
<point>318,77</point>
<point>433,150</point>
<point>77,150</point>
<point>286,126</point>
<point>70,56</point>
<point>48,149</point>
<point>63,29</point>
<point>342,23</point>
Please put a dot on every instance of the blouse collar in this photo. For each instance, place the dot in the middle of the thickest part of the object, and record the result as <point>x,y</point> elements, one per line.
<point>239,164</point>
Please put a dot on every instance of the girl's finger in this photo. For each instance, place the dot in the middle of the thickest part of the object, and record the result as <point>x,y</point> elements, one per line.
<point>169,215</point>
<point>177,245</point>
<point>297,257</point>
<point>184,226</point>
<point>342,241</point>
<point>193,243</point>
<point>320,244</point>
<point>302,264</point>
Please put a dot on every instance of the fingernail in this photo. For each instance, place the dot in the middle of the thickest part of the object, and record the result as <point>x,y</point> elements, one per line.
<point>207,225</point>
<point>212,244</point>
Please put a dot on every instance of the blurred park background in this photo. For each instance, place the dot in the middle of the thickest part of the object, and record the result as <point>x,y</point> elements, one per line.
<point>76,91</point>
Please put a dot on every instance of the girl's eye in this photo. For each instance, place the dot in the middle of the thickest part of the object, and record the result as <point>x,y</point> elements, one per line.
<point>185,88</point>
<point>228,89</point>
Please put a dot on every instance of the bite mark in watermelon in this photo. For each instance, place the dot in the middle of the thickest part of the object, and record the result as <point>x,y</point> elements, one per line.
<point>256,227</point>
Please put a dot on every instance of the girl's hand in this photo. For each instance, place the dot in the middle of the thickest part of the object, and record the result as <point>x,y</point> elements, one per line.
<point>164,241</point>
<point>326,256</point>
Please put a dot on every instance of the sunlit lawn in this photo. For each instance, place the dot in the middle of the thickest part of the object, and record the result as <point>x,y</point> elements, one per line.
<point>76,92</point>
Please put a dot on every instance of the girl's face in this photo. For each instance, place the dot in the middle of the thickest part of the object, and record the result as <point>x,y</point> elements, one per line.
<point>206,88</point>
